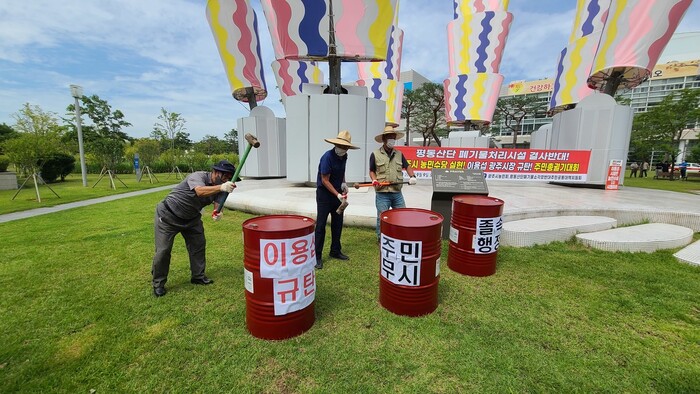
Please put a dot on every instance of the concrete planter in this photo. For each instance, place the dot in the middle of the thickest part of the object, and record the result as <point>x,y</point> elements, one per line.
<point>8,181</point>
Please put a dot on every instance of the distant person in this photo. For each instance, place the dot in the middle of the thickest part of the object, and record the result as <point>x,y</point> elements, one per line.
<point>386,165</point>
<point>659,170</point>
<point>633,169</point>
<point>684,169</point>
<point>645,169</point>
<point>180,213</point>
<point>331,191</point>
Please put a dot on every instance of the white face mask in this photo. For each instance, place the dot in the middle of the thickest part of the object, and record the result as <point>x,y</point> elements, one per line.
<point>390,143</point>
<point>340,151</point>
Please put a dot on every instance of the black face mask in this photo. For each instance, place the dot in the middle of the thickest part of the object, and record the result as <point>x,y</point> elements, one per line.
<point>218,180</point>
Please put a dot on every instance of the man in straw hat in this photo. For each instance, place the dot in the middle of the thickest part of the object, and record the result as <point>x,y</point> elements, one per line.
<point>386,165</point>
<point>331,191</point>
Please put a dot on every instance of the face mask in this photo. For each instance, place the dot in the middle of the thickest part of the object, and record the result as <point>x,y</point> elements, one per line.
<point>340,151</point>
<point>390,143</point>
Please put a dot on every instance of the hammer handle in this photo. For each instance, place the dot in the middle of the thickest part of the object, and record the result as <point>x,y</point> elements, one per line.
<point>223,195</point>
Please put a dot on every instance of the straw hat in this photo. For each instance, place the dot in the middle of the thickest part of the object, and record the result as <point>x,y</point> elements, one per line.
<point>389,130</point>
<point>343,139</point>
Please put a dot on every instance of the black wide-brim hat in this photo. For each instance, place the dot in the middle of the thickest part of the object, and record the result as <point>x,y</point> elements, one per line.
<point>224,166</point>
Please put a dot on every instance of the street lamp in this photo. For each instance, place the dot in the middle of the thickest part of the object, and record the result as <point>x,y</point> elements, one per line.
<point>77,92</point>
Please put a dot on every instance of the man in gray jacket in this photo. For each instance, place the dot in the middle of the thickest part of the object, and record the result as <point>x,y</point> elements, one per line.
<point>180,212</point>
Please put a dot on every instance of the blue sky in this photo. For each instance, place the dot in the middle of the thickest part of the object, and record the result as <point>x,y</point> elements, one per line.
<point>142,55</point>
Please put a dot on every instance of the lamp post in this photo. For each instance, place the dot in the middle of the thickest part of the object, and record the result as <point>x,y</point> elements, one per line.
<point>77,92</point>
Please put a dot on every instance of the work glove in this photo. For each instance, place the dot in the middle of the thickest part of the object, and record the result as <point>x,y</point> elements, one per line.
<point>342,197</point>
<point>375,183</point>
<point>227,187</point>
<point>412,180</point>
<point>216,216</point>
<point>344,188</point>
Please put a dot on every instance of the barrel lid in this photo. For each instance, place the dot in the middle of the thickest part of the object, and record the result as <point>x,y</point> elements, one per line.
<point>411,217</point>
<point>474,199</point>
<point>278,223</point>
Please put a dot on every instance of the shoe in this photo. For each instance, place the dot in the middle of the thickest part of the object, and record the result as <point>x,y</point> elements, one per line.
<point>159,291</point>
<point>339,256</point>
<point>201,281</point>
<point>319,264</point>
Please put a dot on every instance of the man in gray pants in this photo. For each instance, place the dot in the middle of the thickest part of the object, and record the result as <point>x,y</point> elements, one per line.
<point>180,212</point>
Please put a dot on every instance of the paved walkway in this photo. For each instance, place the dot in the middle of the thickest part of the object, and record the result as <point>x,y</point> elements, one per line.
<point>57,208</point>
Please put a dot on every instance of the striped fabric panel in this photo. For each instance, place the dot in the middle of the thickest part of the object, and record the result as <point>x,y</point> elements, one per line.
<point>389,91</point>
<point>391,67</point>
<point>466,7</point>
<point>476,42</point>
<point>590,17</point>
<point>471,97</point>
<point>234,26</point>
<point>292,74</point>
<point>634,37</point>
<point>573,68</point>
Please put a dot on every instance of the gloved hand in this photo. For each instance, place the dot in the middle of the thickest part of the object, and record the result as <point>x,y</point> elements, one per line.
<point>375,183</point>
<point>227,187</point>
<point>344,188</point>
<point>216,216</point>
<point>412,180</point>
<point>342,197</point>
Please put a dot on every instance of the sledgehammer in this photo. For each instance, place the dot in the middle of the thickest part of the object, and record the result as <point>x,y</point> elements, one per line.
<point>252,143</point>
<point>368,184</point>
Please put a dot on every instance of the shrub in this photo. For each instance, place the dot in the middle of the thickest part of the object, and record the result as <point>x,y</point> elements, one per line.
<point>4,162</point>
<point>58,165</point>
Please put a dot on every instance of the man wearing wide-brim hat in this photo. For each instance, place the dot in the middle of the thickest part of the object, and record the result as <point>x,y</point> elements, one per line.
<point>386,165</point>
<point>180,213</point>
<point>331,191</point>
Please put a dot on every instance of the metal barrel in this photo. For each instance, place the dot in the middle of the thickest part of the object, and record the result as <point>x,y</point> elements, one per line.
<point>409,260</point>
<point>280,282</point>
<point>475,230</point>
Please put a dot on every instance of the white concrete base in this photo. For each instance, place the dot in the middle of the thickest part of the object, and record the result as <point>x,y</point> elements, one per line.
<point>643,238</point>
<point>690,254</point>
<point>8,181</point>
<point>540,231</point>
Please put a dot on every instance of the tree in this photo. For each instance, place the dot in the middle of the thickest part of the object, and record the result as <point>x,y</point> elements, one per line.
<point>694,154</point>
<point>211,145</point>
<point>104,138</point>
<point>511,110</point>
<point>6,133</point>
<point>38,138</point>
<point>231,139</point>
<point>171,127</point>
<point>429,116</point>
<point>662,126</point>
<point>409,109</point>
<point>148,150</point>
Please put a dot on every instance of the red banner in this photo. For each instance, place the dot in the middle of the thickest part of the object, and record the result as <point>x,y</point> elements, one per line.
<point>612,182</point>
<point>506,164</point>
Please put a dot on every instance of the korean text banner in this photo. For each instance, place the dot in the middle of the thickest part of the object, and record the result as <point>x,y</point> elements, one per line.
<point>503,164</point>
<point>235,29</point>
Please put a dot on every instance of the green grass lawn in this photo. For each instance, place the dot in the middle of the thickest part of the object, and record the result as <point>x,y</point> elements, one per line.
<point>78,314</point>
<point>72,190</point>
<point>690,186</point>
